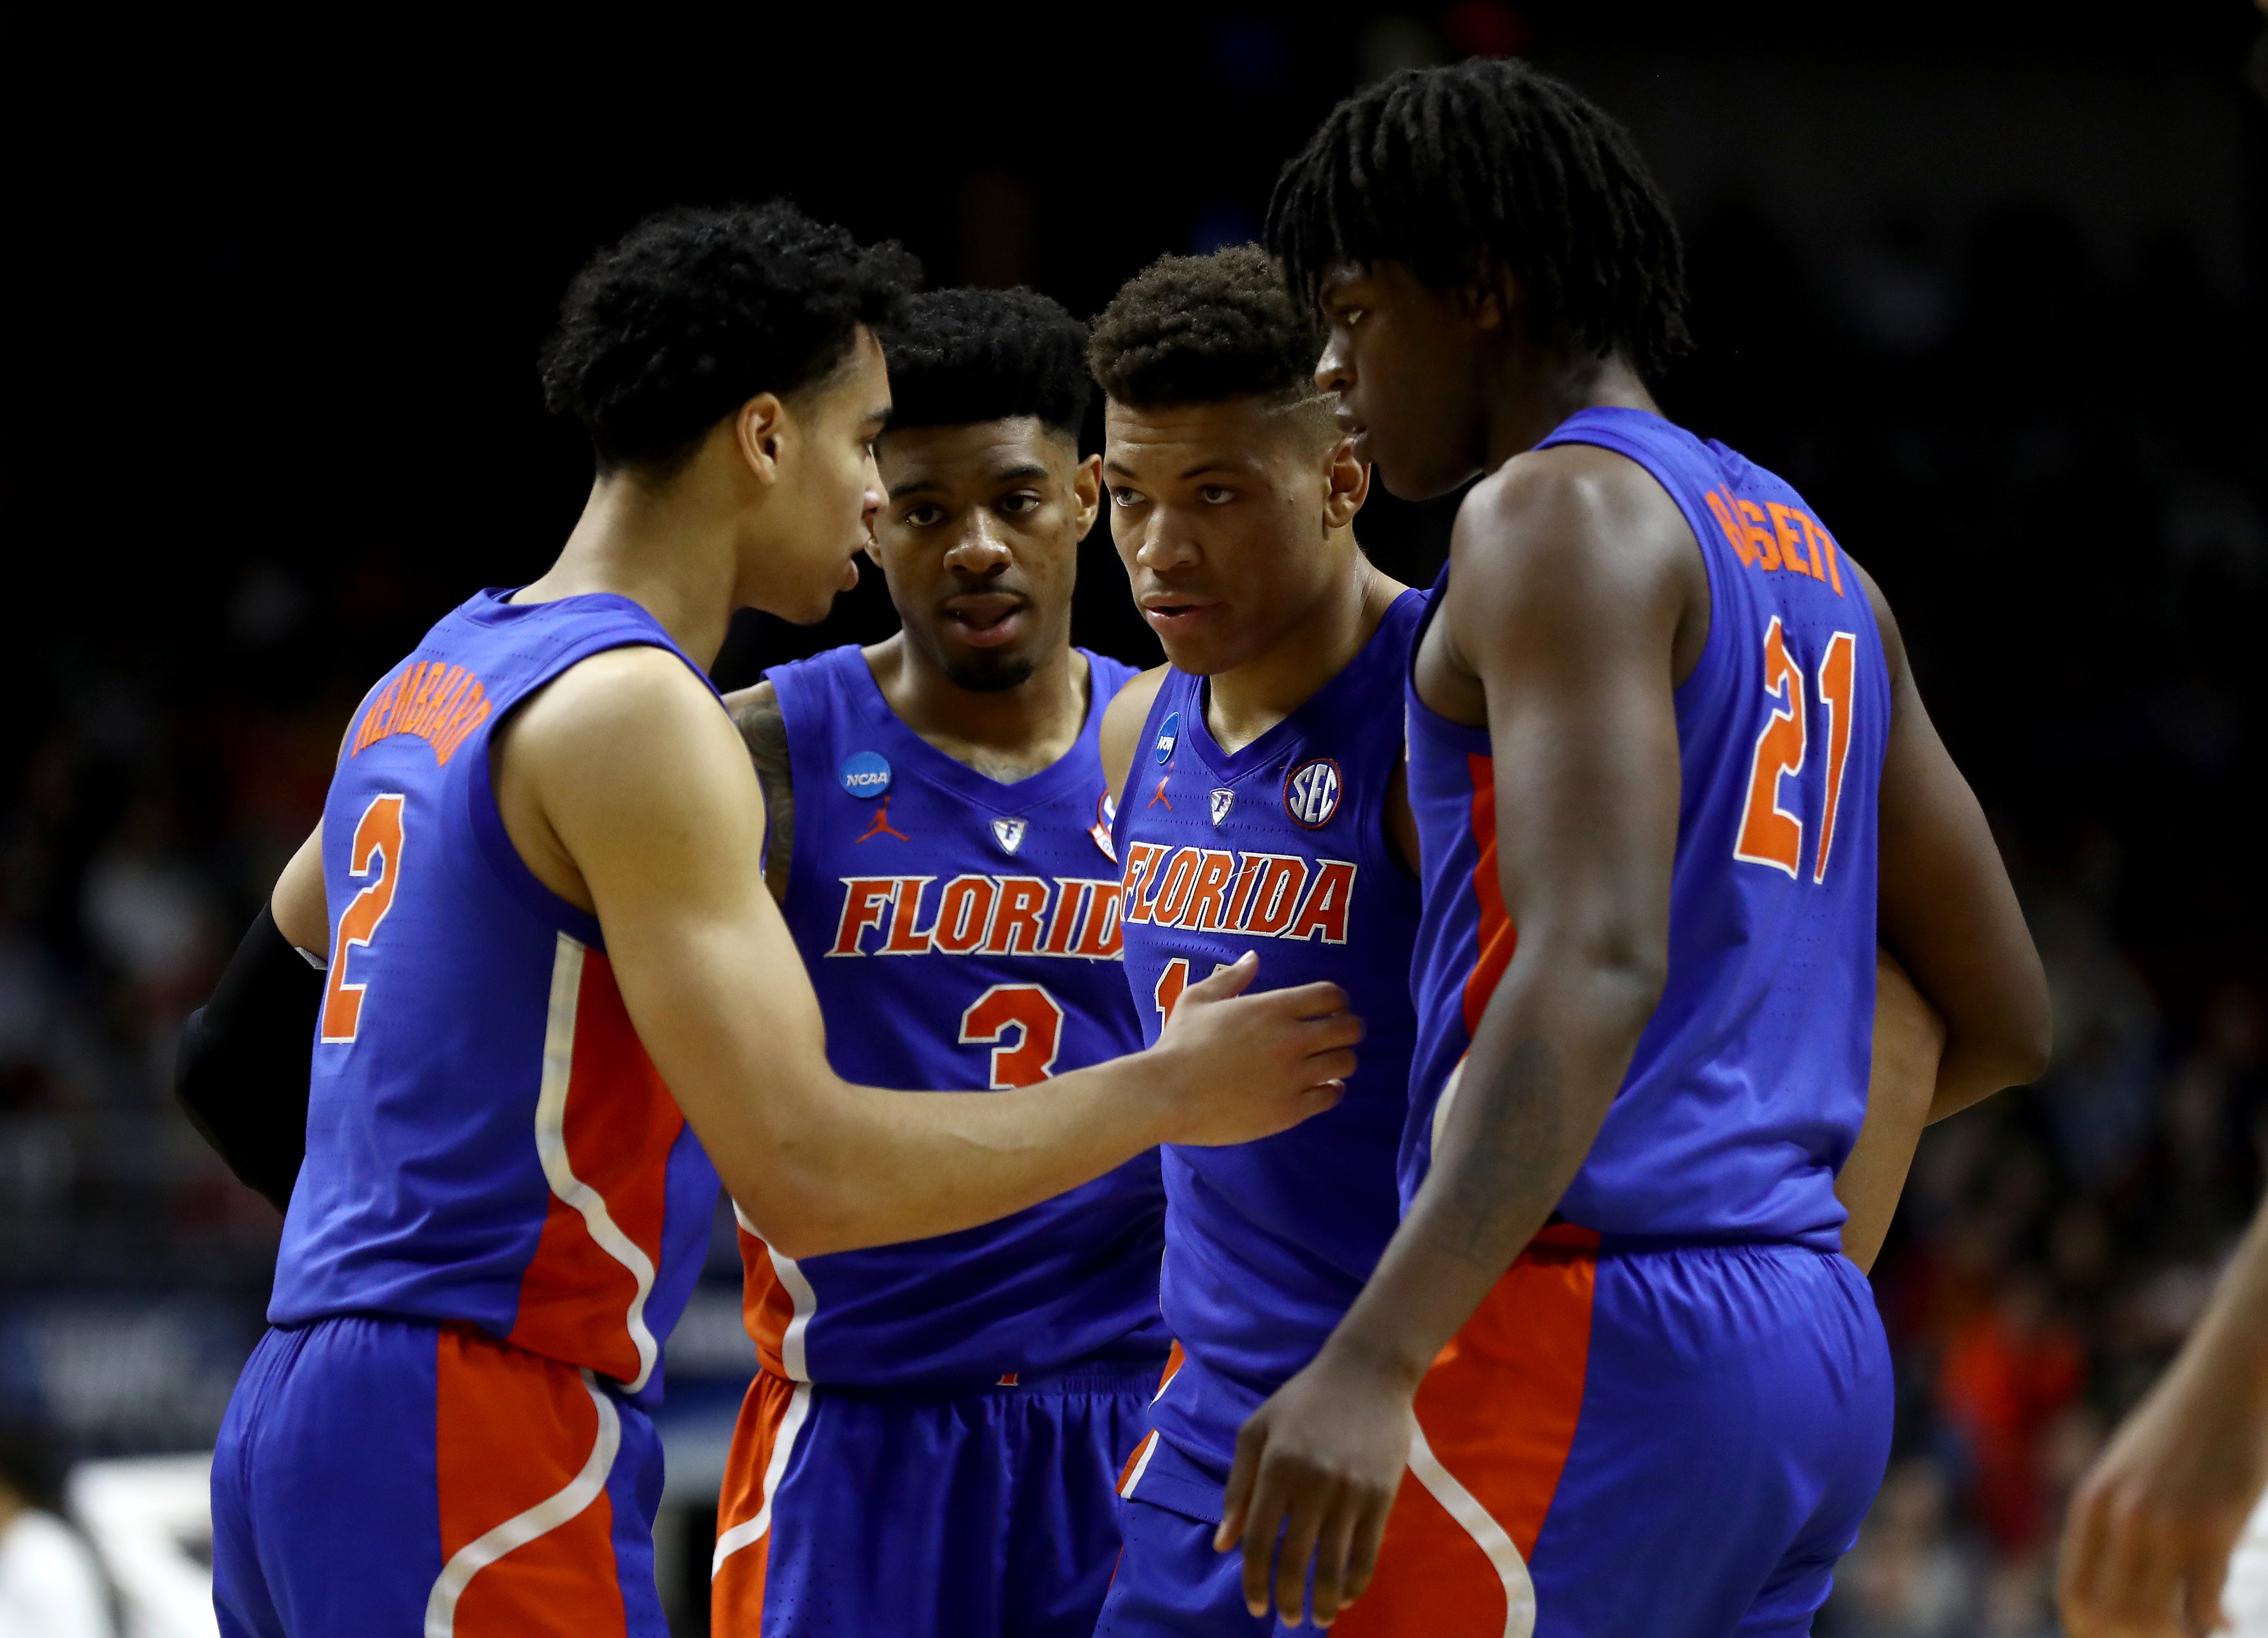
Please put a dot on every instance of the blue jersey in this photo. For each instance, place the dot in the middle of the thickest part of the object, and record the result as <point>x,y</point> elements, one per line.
<point>1749,1083</point>
<point>1280,847</point>
<point>487,1141</point>
<point>960,933</point>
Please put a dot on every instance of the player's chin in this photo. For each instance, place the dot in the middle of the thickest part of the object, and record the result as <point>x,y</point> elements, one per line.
<point>987,670</point>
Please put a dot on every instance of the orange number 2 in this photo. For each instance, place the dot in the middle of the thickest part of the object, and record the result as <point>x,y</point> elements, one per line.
<point>1771,835</point>
<point>377,844</point>
<point>1037,1018</point>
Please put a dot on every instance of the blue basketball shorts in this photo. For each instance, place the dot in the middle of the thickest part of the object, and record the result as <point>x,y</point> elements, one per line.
<point>1675,1443</point>
<point>387,1479</point>
<point>921,1514</point>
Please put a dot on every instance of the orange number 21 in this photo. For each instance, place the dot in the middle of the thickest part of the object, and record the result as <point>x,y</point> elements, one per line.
<point>1769,834</point>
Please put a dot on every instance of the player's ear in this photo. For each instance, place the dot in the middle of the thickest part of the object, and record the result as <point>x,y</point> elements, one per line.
<point>1490,297</point>
<point>1086,490</point>
<point>760,430</point>
<point>1347,484</point>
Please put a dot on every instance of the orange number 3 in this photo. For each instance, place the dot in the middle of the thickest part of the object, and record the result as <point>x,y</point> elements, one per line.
<point>1769,834</point>
<point>1036,1017</point>
<point>377,842</point>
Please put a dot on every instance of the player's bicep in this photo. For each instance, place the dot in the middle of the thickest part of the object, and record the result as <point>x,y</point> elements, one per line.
<point>300,903</point>
<point>1947,909</point>
<point>1568,628</point>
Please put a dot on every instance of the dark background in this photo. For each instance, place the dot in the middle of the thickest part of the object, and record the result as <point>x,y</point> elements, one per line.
<point>1984,283</point>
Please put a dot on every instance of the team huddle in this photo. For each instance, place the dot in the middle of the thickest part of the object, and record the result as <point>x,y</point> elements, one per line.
<point>1447,1056</point>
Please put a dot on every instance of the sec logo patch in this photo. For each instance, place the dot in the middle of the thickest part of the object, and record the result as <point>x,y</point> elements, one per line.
<point>1311,792</point>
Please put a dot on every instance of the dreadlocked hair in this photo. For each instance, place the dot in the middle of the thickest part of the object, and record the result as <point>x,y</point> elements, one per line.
<point>1450,169</point>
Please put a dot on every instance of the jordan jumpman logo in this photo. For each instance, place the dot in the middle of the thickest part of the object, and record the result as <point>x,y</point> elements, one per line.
<point>881,825</point>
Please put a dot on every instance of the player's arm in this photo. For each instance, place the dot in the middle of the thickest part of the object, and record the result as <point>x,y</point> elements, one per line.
<point>1947,909</point>
<point>756,711</point>
<point>624,769</point>
<point>2153,1524</point>
<point>1909,1039</point>
<point>1574,575</point>
<point>1122,730</point>
<point>241,1073</point>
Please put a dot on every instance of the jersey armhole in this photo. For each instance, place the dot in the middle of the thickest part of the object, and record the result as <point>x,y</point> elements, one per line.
<point>795,687</point>
<point>1125,796</point>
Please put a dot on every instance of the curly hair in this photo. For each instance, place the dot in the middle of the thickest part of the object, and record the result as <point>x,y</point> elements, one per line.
<point>1196,329</point>
<point>697,310</point>
<point>1487,158</point>
<point>965,356</point>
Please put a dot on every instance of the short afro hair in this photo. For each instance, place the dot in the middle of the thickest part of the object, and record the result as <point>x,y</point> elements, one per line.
<point>1487,158</point>
<point>964,356</point>
<point>697,310</point>
<point>1198,330</point>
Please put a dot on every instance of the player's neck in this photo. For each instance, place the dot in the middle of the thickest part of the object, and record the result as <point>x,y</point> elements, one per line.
<point>1246,701</point>
<point>1535,389</point>
<point>666,548</point>
<point>1006,734</point>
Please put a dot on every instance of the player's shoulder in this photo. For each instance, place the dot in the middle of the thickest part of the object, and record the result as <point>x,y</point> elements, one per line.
<point>631,704</point>
<point>1122,719</point>
<point>1572,516</point>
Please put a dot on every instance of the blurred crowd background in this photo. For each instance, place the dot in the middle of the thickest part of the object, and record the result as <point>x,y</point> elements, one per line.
<point>1990,292</point>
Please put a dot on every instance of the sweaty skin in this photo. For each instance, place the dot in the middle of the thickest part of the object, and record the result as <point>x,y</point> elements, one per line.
<point>630,795</point>
<point>1580,603</point>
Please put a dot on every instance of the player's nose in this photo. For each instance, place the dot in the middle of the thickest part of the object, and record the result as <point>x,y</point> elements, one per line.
<point>1165,545</point>
<point>982,548</point>
<point>1334,371</point>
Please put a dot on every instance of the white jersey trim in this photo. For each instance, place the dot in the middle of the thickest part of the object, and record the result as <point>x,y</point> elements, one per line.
<point>1487,1534</point>
<point>1141,1465</point>
<point>747,1534</point>
<point>551,1146</point>
<point>540,1520</point>
<point>793,1361</point>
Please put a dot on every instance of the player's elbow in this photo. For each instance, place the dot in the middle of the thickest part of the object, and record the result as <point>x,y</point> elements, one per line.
<point>1619,971</point>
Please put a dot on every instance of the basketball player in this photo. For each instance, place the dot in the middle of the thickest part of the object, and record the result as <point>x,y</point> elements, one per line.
<point>552,963</point>
<point>1232,495</point>
<point>1611,1361</point>
<point>1259,799</point>
<point>930,1445</point>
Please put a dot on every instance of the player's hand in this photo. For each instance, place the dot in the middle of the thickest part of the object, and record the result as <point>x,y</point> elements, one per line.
<point>1319,1463</point>
<point>2147,1546</point>
<point>1240,1066</point>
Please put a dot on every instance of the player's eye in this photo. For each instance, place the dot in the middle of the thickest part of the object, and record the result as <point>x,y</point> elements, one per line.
<point>922,513</point>
<point>1017,505</point>
<point>1124,499</point>
<point>1216,494</point>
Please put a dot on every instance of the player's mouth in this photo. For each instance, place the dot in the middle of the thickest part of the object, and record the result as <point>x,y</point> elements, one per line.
<point>985,619</point>
<point>1349,427</point>
<point>1177,614</point>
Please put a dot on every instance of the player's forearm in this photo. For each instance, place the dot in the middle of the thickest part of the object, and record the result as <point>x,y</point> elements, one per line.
<point>1545,1064</point>
<point>2225,1361</point>
<point>1909,1037</point>
<point>867,1166</point>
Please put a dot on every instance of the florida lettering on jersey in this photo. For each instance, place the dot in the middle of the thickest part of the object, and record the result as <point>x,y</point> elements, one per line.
<point>960,933</point>
<point>1281,847</point>
<point>1072,918</point>
<point>1749,1084</point>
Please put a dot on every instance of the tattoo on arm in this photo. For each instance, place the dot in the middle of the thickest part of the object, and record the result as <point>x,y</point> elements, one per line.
<point>764,731</point>
<point>1507,1160</point>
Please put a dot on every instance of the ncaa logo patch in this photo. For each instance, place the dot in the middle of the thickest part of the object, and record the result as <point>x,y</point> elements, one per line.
<point>1009,833</point>
<point>1169,733</point>
<point>1222,801</point>
<point>1311,792</point>
<point>864,775</point>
